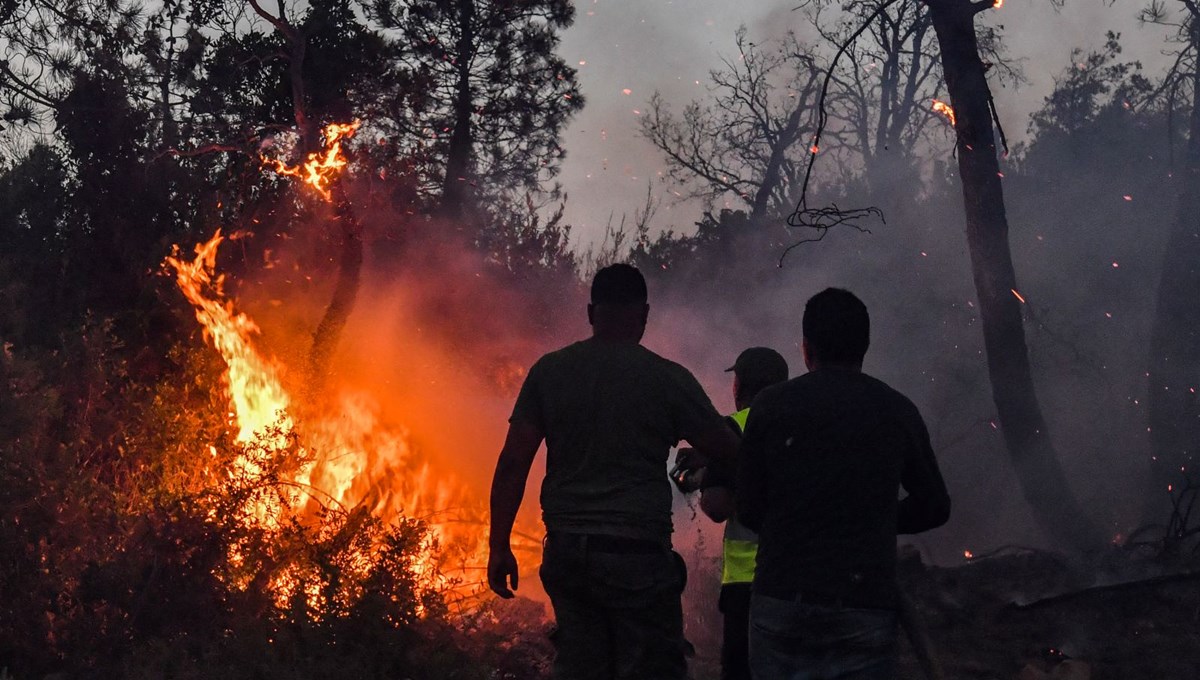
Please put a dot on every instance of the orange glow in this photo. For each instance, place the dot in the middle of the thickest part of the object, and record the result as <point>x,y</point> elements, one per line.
<point>967,554</point>
<point>350,448</point>
<point>258,399</point>
<point>946,110</point>
<point>321,167</point>
<point>998,4</point>
<point>1017,295</point>
<point>346,454</point>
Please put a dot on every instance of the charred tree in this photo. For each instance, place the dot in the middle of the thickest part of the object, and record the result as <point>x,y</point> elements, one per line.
<point>345,225</point>
<point>1174,366</point>
<point>345,291</point>
<point>885,83</point>
<point>1026,435</point>
<point>745,140</point>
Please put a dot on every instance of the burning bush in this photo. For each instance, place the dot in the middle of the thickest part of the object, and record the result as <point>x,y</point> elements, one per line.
<point>136,544</point>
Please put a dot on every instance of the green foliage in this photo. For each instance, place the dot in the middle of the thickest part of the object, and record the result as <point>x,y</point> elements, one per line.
<point>521,93</point>
<point>1093,84</point>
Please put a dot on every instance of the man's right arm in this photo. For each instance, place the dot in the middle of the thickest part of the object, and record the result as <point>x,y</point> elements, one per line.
<point>752,472</point>
<point>716,443</point>
<point>508,488</point>
<point>525,435</point>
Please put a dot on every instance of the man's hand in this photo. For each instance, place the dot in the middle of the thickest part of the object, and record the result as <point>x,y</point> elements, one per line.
<point>501,571</point>
<point>688,472</point>
<point>690,459</point>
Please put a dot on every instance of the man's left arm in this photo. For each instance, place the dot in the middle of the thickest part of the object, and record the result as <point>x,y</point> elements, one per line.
<point>927,505</point>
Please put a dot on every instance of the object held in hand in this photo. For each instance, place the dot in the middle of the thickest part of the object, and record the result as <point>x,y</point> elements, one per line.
<point>688,472</point>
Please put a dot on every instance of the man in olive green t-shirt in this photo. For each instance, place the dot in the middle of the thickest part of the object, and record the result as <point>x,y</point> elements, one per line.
<point>609,410</point>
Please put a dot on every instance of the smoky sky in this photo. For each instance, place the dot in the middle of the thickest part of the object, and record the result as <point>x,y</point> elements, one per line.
<point>930,350</point>
<point>625,50</point>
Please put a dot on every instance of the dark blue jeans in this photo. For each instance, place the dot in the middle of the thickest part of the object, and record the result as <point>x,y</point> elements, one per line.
<point>618,610</point>
<point>796,641</point>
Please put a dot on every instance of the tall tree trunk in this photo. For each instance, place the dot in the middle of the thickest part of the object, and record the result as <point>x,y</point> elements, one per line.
<point>1174,366</point>
<point>1026,436</point>
<point>170,131</point>
<point>345,291</point>
<point>345,222</point>
<point>458,157</point>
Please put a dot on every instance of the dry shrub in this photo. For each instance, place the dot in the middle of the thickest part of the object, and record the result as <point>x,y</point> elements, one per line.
<point>130,550</point>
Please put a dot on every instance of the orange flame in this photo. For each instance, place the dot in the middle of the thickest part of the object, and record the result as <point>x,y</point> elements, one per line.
<point>946,110</point>
<point>998,4</point>
<point>350,458</point>
<point>258,398</point>
<point>321,167</point>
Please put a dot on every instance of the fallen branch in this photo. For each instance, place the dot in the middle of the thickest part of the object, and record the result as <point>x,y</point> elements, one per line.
<point>1113,587</point>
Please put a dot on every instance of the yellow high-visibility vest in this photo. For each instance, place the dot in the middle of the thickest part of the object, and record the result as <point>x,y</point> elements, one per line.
<point>740,547</point>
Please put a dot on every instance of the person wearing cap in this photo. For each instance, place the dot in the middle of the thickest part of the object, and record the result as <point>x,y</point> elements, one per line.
<point>754,370</point>
<point>822,462</point>
<point>609,411</point>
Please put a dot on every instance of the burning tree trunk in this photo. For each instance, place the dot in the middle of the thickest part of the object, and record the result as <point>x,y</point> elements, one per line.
<point>1174,367</point>
<point>346,224</point>
<point>329,330</point>
<point>1026,436</point>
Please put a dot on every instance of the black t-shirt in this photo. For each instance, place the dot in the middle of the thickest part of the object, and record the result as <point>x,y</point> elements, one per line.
<point>611,413</point>
<point>822,461</point>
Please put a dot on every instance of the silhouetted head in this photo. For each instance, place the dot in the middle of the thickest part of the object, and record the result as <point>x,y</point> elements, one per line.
<point>837,330</point>
<point>618,310</point>
<point>756,369</point>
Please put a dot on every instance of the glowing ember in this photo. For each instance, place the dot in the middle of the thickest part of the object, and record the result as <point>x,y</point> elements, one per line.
<point>321,167</point>
<point>946,110</point>
<point>1017,295</point>
<point>968,554</point>
<point>998,4</point>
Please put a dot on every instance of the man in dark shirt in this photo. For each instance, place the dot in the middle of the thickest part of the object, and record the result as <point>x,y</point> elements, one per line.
<point>609,410</point>
<point>821,464</point>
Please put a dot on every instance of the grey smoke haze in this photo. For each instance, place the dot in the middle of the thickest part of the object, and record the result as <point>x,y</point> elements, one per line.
<point>914,272</point>
<point>671,45</point>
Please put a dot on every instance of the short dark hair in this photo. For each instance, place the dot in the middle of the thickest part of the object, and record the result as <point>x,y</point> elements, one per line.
<point>837,326</point>
<point>619,284</point>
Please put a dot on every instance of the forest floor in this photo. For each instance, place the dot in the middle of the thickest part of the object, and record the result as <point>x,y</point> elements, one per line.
<point>1021,614</point>
<point>1030,615</point>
